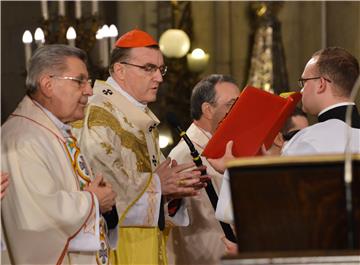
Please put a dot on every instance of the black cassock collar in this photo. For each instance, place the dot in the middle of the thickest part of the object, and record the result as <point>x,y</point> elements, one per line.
<point>339,113</point>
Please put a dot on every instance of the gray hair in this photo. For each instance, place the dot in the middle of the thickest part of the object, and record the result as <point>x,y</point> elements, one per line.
<point>204,91</point>
<point>50,58</point>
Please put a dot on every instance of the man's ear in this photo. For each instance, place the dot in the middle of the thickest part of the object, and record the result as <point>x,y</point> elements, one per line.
<point>206,109</point>
<point>119,70</point>
<point>46,86</point>
<point>323,86</point>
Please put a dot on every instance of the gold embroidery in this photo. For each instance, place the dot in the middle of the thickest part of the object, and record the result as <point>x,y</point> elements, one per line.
<point>101,117</point>
<point>109,106</point>
<point>149,219</point>
<point>117,163</point>
<point>77,124</point>
<point>155,134</point>
<point>108,148</point>
<point>125,173</point>
<point>128,123</point>
<point>122,218</point>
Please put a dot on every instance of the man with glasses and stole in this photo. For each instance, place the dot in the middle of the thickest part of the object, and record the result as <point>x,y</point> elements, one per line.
<point>52,212</point>
<point>119,133</point>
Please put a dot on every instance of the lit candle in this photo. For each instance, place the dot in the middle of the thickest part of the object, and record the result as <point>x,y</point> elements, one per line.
<point>113,33</point>
<point>27,40</point>
<point>44,9</point>
<point>39,37</point>
<point>71,36</point>
<point>95,7</point>
<point>78,9</point>
<point>61,8</point>
<point>99,37</point>
<point>197,60</point>
<point>105,33</point>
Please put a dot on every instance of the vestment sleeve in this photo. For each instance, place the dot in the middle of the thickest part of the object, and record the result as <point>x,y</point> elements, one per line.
<point>224,208</point>
<point>39,196</point>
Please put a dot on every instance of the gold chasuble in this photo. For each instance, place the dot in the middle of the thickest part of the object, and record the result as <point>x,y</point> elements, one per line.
<point>121,141</point>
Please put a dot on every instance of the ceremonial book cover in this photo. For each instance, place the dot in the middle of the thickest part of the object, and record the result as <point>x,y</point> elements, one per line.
<point>255,119</point>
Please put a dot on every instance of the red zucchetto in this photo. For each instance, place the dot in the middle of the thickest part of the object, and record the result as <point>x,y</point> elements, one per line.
<point>135,38</point>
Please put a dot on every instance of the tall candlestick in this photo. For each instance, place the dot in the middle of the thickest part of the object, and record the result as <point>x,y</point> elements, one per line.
<point>39,37</point>
<point>78,9</point>
<point>105,32</point>
<point>105,52</point>
<point>71,36</point>
<point>95,7</point>
<point>113,33</point>
<point>44,10</point>
<point>99,37</point>
<point>27,40</point>
<point>61,8</point>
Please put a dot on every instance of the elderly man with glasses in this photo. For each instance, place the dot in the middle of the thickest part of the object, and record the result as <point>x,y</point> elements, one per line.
<point>119,132</point>
<point>52,211</point>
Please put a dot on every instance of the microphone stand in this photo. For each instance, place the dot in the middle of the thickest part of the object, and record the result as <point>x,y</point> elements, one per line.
<point>348,166</point>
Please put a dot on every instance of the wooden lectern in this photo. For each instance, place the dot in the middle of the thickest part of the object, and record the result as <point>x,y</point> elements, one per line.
<point>295,204</point>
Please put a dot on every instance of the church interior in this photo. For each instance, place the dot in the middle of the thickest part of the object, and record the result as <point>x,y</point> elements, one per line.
<point>264,44</point>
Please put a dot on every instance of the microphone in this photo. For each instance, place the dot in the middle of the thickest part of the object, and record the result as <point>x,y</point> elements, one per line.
<point>171,118</point>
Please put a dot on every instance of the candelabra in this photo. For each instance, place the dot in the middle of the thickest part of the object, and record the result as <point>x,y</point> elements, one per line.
<point>77,24</point>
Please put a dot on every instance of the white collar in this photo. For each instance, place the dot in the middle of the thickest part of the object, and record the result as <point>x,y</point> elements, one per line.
<point>119,89</point>
<point>335,105</point>
<point>64,128</point>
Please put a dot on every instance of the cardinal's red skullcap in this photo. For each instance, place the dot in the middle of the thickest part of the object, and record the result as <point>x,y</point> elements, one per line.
<point>135,38</point>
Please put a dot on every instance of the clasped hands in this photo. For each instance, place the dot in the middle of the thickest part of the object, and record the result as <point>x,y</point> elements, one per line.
<point>179,181</point>
<point>104,193</point>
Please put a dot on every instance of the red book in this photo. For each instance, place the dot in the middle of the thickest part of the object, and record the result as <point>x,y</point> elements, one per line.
<point>255,119</point>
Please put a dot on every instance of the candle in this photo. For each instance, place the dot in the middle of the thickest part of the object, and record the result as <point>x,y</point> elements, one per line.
<point>99,38</point>
<point>39,37</point>
<point>197,60</point>
<point>105,46</point>
<point>27,40</point>
<point>78,9</point>
<point>44,9</point>
<point>95,7</point>
<point>71,36</point>
<point>61,8</point>
<point>113,33</point>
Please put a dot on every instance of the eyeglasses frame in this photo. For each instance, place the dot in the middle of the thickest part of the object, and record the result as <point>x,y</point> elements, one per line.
<point>301,81</point>
<point>81,82</point>
<point>143,67</point>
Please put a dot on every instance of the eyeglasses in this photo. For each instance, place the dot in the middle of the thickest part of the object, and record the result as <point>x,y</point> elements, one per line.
<point>149,67</point>
<point>81,81</point>
<point>302,81</point>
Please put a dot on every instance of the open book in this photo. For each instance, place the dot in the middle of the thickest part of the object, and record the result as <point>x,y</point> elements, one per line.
<point>255,119</point>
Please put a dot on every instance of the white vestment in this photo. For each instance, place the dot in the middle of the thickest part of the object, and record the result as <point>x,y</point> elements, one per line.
<point>327,137</point>
<point>200,242</point>
<point>44,209</point>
